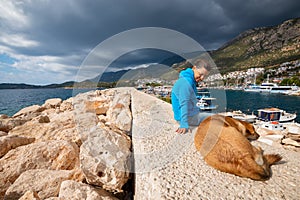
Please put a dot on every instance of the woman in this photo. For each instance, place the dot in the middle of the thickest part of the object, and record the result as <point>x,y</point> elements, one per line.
<point>184,99</point>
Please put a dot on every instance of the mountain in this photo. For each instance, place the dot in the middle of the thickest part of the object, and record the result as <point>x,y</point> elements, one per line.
<point>152,71</point>
<point>260,47</point>
<point>17,86</point>
<point>109,76</point>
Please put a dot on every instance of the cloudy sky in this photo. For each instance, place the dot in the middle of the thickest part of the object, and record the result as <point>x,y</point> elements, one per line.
<point>46,41</point>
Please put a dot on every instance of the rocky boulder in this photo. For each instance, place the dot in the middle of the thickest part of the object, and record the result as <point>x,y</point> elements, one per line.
<point>119,112</point>
<point>105,159</point>
<point>56,126</point>
<point>29,112</point>
<point>54,155</point>
<point>12,141</point>
<point>46,183</point>
<point>52,103</point>
<point>77,191</point>
<point>30,195</point>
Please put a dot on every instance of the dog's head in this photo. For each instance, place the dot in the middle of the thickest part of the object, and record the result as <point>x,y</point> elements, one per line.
<point>243,127</point>
<point>249,130</point>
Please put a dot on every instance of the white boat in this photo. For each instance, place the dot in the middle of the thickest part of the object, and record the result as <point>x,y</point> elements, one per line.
<point>205,101</point>
<point>275,114</point>
<point>270,88</point>
<point>274,126</point>
<point>206,104</point>
<point>244,117</point>
<point>239,115</point>
<point>252,88</point>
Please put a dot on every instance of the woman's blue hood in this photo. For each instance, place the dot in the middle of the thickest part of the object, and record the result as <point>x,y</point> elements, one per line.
<point>188,74</point>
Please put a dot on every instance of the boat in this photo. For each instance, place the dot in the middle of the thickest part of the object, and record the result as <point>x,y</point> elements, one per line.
<point>270,88</point>
<point>272,125</point>
<point>205,101</point>
<point>239,115</point>
<point>252,88</point>
<point>244,117</point>
<point>275,114</point>
<point>206,104</point>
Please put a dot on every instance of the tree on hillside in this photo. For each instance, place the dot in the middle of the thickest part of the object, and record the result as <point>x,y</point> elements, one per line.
<point>291,81</point>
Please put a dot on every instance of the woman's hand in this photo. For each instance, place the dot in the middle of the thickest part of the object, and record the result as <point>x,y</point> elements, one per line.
<point>182,130</point>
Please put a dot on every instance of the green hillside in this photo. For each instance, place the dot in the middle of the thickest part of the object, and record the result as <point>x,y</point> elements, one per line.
<point>260,47</point>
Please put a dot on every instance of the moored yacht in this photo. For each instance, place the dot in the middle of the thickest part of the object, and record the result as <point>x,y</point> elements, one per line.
<point>275,114</point>
<point>239,115</point>
<point>205,101</point>
<point>270,88</point>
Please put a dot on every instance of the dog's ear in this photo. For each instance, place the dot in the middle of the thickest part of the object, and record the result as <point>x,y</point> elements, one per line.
<point>238,125</point>
<point>241,127</point>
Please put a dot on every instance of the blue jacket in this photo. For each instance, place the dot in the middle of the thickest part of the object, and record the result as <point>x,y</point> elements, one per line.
<point>183,97</point>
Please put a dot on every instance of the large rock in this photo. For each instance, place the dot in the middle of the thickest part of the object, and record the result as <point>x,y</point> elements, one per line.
<point>119,112</point>
<point>66,105</point>
<point>105,159</point>
<point>2,133</point>
<point>8,124</point>
<point>30,195</point>
<point>78,191</point>
<point>61,126</point>
<point>52,103</point>
<point>98,107</point>
<point>54,155</point>
<point>45,182</point>
<point>29,111</point>
<point>12,141</point>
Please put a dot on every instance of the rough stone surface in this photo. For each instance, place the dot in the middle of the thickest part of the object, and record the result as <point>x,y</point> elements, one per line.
<point>30,195</point>
<point>12,141</point>
<point>2,133</point>
<point>119,113</point>
<point>78,191</point>
<point>52,103</point>
<point>98,107</point>
<point>3,116</point>
<point>55,155</point>
<point>62,126</point>
<point>8,124</point>
<point>104,158</point>
<point>46,183</point>
<point>44,119</point>
<point>29,110</point>
<point>66,105</point>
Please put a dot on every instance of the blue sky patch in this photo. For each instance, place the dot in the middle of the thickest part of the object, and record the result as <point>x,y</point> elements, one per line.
<point>6,59</point>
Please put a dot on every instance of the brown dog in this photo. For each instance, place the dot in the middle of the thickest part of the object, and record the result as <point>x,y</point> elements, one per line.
<point>222,141</point>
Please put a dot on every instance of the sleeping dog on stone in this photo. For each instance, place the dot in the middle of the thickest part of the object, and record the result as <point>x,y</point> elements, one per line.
<point>223,143</point>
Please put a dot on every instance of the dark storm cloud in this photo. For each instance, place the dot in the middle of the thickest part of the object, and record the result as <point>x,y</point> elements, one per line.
<point>64,26</point>
<point>249,14</point>
<point>68,30</point>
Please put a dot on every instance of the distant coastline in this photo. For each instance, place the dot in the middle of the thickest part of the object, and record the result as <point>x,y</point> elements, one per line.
<point>65,85</point>
<point>28,86</point>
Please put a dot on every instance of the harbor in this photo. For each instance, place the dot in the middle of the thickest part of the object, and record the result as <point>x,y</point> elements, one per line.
<point>273,115</point>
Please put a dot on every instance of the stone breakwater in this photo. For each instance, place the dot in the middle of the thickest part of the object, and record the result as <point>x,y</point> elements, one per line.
<point>89,147</point>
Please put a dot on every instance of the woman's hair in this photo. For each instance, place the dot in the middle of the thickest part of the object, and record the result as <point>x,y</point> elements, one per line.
<point>199,63</point>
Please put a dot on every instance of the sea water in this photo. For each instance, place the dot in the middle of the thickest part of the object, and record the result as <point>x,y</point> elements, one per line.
<point>12,100</point>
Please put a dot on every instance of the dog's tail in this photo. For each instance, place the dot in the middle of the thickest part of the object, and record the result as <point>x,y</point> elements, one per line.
<point>272,158</point>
